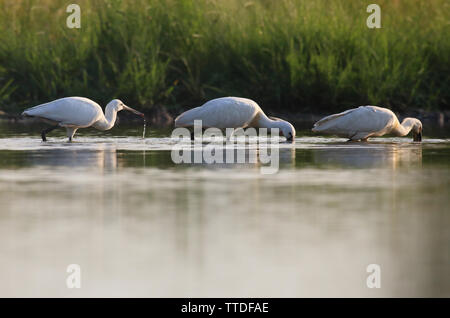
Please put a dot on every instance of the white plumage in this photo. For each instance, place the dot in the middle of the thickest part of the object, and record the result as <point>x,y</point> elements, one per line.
<point>77,112</point>
<point>367,121</point>
<point>233,112</point>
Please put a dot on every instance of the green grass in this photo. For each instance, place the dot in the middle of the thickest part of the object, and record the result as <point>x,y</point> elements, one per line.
<point>288,55</point>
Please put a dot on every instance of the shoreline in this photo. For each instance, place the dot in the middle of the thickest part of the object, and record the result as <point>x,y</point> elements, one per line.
<point>164,117</point>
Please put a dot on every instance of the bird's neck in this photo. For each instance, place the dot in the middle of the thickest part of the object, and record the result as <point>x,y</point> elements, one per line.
<point>266,122</point>
<point>405,127</point>
<point>108,120</point>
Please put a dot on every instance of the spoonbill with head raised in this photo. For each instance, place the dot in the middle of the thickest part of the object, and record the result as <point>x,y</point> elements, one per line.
<point>367,121</point>
<point>233,112</point>
<point>73,113</point>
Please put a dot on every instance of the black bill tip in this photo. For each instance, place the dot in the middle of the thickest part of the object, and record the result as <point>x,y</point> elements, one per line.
<point>417,137</point>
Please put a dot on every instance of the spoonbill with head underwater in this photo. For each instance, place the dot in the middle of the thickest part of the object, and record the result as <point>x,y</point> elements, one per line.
<point>368,121</point>
<point>233,112</point>
<point>73,113</point>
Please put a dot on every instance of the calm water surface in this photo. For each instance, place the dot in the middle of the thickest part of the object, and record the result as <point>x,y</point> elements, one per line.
<point>140,225</point>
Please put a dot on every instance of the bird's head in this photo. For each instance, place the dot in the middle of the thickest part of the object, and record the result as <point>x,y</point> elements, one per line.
<point>417,130</point>
<point>118,105</point>
<point>286,129</point>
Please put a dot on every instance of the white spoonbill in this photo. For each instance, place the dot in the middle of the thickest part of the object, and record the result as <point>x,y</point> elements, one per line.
<point>77,112</point>
<point>233,112</point>
<point>367,121</point>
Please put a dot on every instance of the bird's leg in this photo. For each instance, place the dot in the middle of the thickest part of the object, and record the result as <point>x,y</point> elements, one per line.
<point>46,131</point>
<point>70,132</point>
<point>352,138</point>
<point>229,133</point>
<point>193,133</point>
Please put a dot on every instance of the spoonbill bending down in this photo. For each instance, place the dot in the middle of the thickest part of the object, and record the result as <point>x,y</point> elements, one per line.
<point>233,112</point>
<point>77,112</point>
<point>367,121</point>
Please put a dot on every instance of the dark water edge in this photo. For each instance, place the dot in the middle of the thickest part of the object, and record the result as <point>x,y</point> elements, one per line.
<point>436,124</point>
<point>161,116</point>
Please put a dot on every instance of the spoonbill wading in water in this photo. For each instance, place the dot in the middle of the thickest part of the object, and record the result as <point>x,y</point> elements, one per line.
<point>233,112</point>
<point>73,113</point>
<point>367,121</point>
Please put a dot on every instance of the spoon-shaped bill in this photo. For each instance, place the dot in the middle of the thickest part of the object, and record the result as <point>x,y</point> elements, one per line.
<point>289,138</point>
<point>133,111</point>
<point>417,136</point>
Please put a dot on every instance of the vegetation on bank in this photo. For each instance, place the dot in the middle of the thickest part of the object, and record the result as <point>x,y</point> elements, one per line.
<point>289,55</point>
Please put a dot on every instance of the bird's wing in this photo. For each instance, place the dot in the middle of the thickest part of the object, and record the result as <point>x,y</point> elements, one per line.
<point>187,118</point>
<point>275,118</point>
<point>226,112</point>
<point>70,111</point>
<point>331,117</point>
<point>358,121</point>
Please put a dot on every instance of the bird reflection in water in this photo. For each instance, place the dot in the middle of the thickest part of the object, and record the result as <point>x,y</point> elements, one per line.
<point>370,156</point>
<point>235,156</point>
<point>103,159</point>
